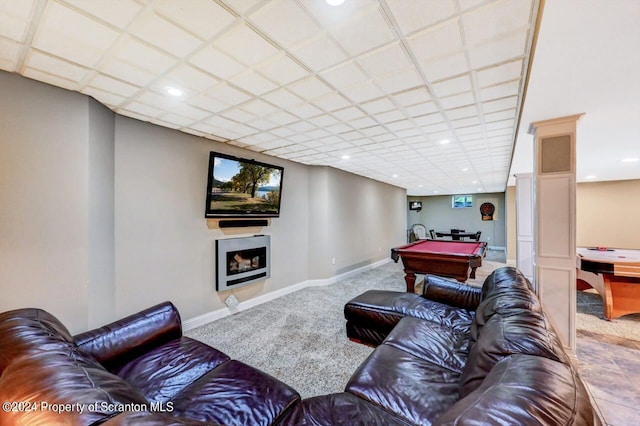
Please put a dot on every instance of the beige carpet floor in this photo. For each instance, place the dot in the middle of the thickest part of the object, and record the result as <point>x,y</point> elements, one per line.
<point>300,338</point>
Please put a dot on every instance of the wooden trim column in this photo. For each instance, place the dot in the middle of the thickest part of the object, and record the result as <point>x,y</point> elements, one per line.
<point>555,221</point>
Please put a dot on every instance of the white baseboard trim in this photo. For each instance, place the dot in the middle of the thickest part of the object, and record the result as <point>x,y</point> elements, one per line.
<point>497,248</point>
<point>208,317</point>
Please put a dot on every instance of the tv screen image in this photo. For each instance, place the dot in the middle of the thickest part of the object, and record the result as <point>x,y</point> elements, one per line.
<point>240,187</point>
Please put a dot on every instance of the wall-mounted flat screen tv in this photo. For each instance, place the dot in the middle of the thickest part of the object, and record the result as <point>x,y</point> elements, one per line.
<point>239,187</point>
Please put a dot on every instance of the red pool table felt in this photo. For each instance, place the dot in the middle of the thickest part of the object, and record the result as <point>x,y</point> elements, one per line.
<point>446,258</point>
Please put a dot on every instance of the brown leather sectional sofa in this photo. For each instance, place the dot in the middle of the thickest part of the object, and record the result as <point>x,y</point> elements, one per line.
<point>455,355</point>
<point>138,370</point>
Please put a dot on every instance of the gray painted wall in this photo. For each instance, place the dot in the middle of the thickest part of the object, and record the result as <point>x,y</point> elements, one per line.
<point>44,218</point>
<point>437,214</point>
<point>102,215</point>
<point>101,284</point>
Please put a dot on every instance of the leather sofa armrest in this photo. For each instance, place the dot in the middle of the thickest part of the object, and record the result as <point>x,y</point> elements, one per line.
<point>115,344</point>
<point>451,292</point>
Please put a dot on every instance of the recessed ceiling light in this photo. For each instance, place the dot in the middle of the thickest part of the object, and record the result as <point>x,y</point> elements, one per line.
<point>334,2</point>
<point>345,157</point>
<point>419,186</point>
<point>590,177</point>
<point>435,192</point>
<point>394,176</point>
<point>479,189</point>
<point>466,169</point>
<point>173,91</point>
<point>631,160</point>
<point>444,141</point>
<point>475,181</point>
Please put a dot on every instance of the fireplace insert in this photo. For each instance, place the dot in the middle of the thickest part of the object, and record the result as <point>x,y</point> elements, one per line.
<point>242,261</point>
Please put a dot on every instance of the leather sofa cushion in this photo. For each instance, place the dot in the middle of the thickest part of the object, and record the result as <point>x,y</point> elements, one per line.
<point>519,332</point>
<point>115,344</point>
<point>506,277</point>
<point>403,384</point>
<point>63,376</point>
<point>523,390</point>
<point>147,418</point>
<point>339,409</point>
<point>29,332</point>
<point>384,309</point>
<point>163,372</point>
<point>430,342</point>
<point>451,292</point>
<point>508,300</point>
<point>235,394</point>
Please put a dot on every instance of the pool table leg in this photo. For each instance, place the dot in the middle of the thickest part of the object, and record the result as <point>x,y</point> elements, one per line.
<point>473,272</point>
<point>410,279</point>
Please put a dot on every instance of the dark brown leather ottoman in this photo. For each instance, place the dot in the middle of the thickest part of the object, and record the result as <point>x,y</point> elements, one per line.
<point>372,315</point>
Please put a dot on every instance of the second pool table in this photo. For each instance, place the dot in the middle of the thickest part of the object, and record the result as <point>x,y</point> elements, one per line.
<point>445,258</point>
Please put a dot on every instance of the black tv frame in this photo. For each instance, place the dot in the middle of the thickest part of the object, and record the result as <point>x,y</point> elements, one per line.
<point>217,214</point>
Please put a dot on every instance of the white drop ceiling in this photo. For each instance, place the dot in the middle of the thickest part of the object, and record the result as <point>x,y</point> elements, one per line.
<point>373,87</point>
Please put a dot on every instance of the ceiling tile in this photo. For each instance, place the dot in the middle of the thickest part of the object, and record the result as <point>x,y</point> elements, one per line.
<point>445,67</point>
<point>306,110</point>
<point>188,78</point>
<point>259,108</point>
<point>453,86</point>
<point>282,70</point>
<point>386,60</point>
<point>118,13</point>
<point>399,82</point>
<point>285,22</point>
<point>500,104</point>
<point>414,15</point>
<point>496,19</point>
<point>108,84</point>
<point>328,15</point>
<point>253,82</point>
<point>213,61</point>
<point>197,17</point>
<point>14,19</point>
<point>437,42</point>
<point>282,98</point>
<point>500,91</point>
<point>228,94</point>
<point>457,100</point>
<point>50,79</point>
<point>62,32</point>
<point>142,55</point>
<point>503,50</point>
<point>379,105</point>
<point>344,75</point>
<point>239,115</point>
<point>124,71</point>
<point>365,31</point>
<point>207,103</point>
<point>363,92</point>
<point>331,102</point>
<point>245,45</point>
<point>421,109</point>
<point>499,73</point>
<point>319,53</point>
<point>242,6</point>
<point>347,114</point>
<point>309,88</point>
<point>164,34</point>
<point>56,66</point>
<point>9,51</point>
<point>143,109</point>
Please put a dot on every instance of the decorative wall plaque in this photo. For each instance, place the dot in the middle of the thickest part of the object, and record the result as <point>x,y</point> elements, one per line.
<point>487,210</point>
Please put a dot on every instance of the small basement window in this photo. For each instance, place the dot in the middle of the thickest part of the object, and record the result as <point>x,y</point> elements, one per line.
<point>461,201</point>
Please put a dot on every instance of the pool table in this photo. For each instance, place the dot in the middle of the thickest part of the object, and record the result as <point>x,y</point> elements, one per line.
<point>438,257</point>
<point>614,274</point>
